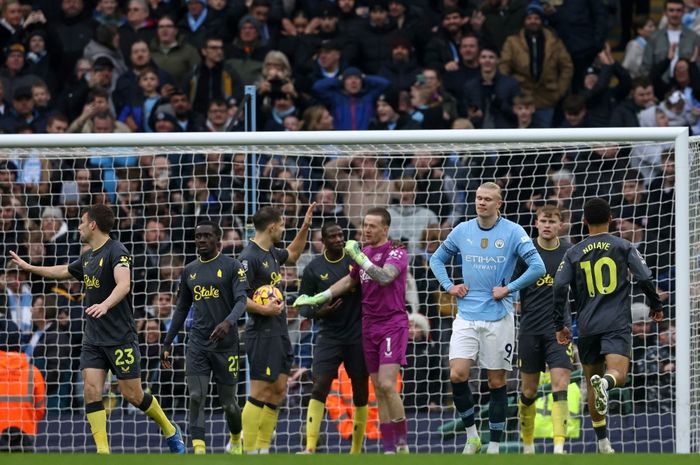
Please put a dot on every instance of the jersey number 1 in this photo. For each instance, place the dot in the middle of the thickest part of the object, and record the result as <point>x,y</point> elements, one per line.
<point>594,276</point>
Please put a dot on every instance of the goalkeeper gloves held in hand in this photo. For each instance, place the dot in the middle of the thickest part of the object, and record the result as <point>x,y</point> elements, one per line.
<point>352,248</point>
<point>317,299</point>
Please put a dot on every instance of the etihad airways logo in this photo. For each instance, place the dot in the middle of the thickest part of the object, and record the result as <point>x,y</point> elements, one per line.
<point>483,259</point>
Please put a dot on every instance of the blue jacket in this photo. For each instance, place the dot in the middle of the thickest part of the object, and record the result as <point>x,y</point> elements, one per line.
<point>351,112</point>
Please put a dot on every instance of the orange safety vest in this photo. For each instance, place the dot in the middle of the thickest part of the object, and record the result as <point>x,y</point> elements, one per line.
<point>22,393</point>
<point>342,411</point>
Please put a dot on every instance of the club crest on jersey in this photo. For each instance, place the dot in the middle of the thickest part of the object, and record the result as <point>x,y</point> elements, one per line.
<point>265,264</point>
<point>324,277</point>
<point>193,276</point>
<point>499,243</point>
<point>484,242</point>
<point>241,274</point>
<point>101,261</point>
<point>245,265</point>
<point>219,274</point>
<point>377,257</point>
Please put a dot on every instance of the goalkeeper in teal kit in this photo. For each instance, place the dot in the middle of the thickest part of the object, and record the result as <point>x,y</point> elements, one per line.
<point>483,330</point>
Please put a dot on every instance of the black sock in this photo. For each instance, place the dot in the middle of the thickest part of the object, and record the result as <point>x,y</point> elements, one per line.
<point>526,400</point>
<point>146,402</point>
<point>464,402</point>
<point>601,432</point>
<point>497,412</point>
<point>611,381</point>
<point>559,395</point>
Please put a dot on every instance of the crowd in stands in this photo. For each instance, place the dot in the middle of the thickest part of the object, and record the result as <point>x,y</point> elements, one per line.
<point>181,65</point>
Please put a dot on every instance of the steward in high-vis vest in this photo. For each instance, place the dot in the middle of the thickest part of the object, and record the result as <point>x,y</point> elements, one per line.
<point>543,406</point>
<point>22,393</point>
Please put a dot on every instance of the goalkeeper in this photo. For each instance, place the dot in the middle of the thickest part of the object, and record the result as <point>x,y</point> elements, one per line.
<point>217,287</point>
<point>382,274</point>
<point>339,338</point>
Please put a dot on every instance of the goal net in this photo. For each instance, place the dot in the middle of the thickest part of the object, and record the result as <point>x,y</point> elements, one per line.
<point>160,188</point>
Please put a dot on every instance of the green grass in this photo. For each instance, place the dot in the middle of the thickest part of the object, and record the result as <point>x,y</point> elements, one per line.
<point>284,459</point>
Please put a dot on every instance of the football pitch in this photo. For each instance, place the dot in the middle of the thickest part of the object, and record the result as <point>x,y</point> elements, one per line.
<point>332,459</point>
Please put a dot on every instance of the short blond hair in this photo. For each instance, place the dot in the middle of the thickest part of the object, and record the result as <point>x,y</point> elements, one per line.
<point>493,187</point>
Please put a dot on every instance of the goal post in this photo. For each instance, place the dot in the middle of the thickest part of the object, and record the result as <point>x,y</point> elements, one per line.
<point>457,145</point>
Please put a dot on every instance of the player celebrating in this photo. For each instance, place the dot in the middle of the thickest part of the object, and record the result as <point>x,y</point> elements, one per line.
<point>217,286</point>
<point>268,346</point>
<point>110,341</point>
<point>338,340</point>
<point>596,269</point>
<point>382,274</point>
<point>537,343</point>
<point>490,247</point>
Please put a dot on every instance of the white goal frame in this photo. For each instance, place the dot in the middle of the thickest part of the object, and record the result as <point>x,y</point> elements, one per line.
<point>679,136</point>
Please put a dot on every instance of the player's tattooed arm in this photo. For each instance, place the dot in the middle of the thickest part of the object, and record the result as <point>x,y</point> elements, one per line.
<point>383,276</point>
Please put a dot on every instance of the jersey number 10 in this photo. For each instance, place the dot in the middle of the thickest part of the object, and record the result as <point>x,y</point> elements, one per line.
<point>594,276</point>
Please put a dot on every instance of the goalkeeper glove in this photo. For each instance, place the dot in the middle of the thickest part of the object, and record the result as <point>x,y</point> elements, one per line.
<point>317,299</point>
<point>352,248</point>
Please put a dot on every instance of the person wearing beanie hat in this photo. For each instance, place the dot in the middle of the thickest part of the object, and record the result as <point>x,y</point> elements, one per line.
<point>247,52</point>
<point>388,115</point>
<point>546,76</point>
<point>402,69</point>
<point>351,98</point>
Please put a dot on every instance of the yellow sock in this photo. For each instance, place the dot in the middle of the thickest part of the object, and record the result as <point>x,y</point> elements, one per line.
<point>158,415</point>
<point>235,438</point>
<point>98,425</point>
<point>251,424</point>
<point>199,446</point>
<point>527,422</point>
<point>268,421</point>
<point>314,416</point>
<point>560,415</point>
<point>359,425</point>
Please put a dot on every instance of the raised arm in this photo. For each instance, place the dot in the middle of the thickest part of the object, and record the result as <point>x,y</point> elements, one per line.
<point>296,248</point>
<point>384,275</point>
<point>642,274</point>
<point>340,287</point>
<point>562,281</point>
<point>58,272</point>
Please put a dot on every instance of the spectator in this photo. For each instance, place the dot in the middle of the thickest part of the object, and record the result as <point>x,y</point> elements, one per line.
<point>409,220</point>
<point>74,28</point>
<point>600,97</point>
<point>489,97</point>
<point>409,23</point>
<point>686,78</point>
<point>538,60</point>
<point>88,76</point>
<point>42,58</point>
<point>441,51</point>
<point>330,210</point>
<point>326,63</point>
<point>427,105</point>
<point>498,19</point>
<point>402,69</point>
<point>524,108</point>
<point>583,27</point>
<point>644,27</point>
<point>42,100</point>
<point>127,88</point>
<point>59,248</point>
<point>198,24</point>
<point>362,183</point>
<point>423,373</point>
<point>351,99</point>
<point>18,297</point>
<point>467,68</point>
<point>19,380</point>
<point>106,43</point>
<point>435,188</point>
<point>376,37</point>
<point>247,51</point>
<point>23,113</point>
<point>566,196</point>
<point>349,22</point>
<point>218,119</point>
<point>14,74</point>
<point>11,23</point>
<point>388,115</point>
<point>674,41</point>
<point>315,249</point>
<point>136,114</point>
<point>98,102</point>
<point>626,113</point>
<point>575,113</point>
<point>212,79</point>
<point>4,104</point>
<point>171,52</point>
<point>49,346</point>
<point>107,12</point>
<point>138,27</point>
<point>187,119</point>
